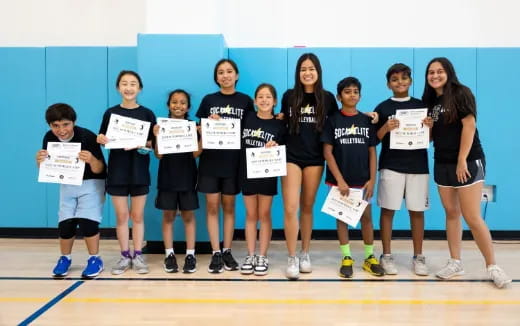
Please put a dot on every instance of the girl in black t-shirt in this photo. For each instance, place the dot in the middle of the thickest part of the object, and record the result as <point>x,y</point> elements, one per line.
<point>259,130</point>
<point>218,169</point>
<point>128,174</point>
<point>176,184</point>
<point>459,165</point>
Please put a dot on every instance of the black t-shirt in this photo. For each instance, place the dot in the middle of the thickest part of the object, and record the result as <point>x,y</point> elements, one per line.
<point>446,137</point>
<point>403,161</point>
<point>88,142</point>
<point>351,137</point>
<point>222,163</point>
<point>306,145</point>
<point>128,167</point>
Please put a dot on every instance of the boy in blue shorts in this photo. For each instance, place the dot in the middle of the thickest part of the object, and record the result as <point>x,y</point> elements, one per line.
<point>80,206</point>
<point>349,141</point>
<point>402,173</point>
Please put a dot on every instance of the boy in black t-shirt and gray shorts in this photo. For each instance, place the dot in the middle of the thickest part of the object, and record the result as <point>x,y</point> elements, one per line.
<point>402,173</point>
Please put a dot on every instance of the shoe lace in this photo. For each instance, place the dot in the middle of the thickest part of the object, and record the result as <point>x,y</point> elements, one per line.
<point>216,259</point>
<point>292,261</point>
<point>189,259</point>
<point>452,266</point>
<point>261,260</point>
<point>249,260</point>
<point>420,259</point>
<point>497,273</point>
<point>305,258</point>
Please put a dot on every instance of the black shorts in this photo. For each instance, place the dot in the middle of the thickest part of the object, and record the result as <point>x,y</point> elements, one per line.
<point>212,185</point>
<point>125,190</point>
<point>182,200</point>
<point>445,175</point>
<point>260,186</point>
<point>303,164</point>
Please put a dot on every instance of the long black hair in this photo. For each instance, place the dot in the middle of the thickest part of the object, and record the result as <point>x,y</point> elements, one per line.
<point>456,97</point>
<point>296,98</point>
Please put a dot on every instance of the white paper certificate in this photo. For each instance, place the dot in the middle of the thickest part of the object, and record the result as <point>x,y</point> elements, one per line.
<point>412,133</point>
<point>176,136</point>
<point>62,164</point>
<point>347,209</point>
<point>125,132</point>
<point>265,162</point>
<point>220,134</point>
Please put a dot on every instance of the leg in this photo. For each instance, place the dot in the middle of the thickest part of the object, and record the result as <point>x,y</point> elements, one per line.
<point>342,229</point>
<point>66,246</point>
<point>167,228</point>
<point>469,199</point>
<point>188,218</point>
<point>212,210</point>
<point>122,215</point>
<point>251,203</point>
<point>417,225</point>
<point>264,214</point>
<point>451,206</point>
<point>137,215</point>
<point>367,229</point>
<point>385,223</point>
<point>311,178</point>
<point>92,244</point>
<point>228,206</point>
<point>291,186</point>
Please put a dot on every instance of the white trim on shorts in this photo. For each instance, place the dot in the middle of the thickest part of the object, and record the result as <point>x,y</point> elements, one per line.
<point>464,186</point>
<point>394,186</point>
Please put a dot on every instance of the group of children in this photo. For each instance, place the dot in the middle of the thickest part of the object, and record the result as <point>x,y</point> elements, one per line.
<point>314,130</point>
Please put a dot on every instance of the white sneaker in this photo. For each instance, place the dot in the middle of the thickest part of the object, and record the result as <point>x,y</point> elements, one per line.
<point>248,265</point>
<point>293,270</point>
<point>388,264</point>
<point>305,263</point>
<point>498,276</point>
<point>453,268</point>
<point>139,265</point>
<point>419,265</point>
<point>261,265</point>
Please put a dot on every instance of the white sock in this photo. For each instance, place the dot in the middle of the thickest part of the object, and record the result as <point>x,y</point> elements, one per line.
<point>190,252</point>
<point>226,249</point>
<point>215,251</point>
<point>169,251</point>
<point>69,256</point>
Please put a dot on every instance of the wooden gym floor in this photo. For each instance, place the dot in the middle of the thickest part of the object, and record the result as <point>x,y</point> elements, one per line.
<point>29,295</point>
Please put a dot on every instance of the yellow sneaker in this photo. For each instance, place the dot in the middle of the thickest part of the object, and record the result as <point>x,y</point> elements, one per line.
<point>346,267</point>
<point>372,266</point>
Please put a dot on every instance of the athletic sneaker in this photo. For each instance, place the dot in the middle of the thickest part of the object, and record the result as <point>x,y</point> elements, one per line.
<point>261,265</point>
<point>388,264</point>
<point>139,265</point>
<point>372,266</point>
<point>305,262</point>
<point>498,276</point>
<point>122,265</point>
<point>419,266</point>
<point>248,265</point>
<point>62,267</point>
<point>230,264</point>
<point>293,269</point>
<point>170,264</point>
<point>346,270</point>
<point>453,268</point>
<point>216,265</point>
<point>190,264</point>
<point>94,267</point>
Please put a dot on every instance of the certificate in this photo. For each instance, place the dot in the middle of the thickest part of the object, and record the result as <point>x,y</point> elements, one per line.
<point>220,134</point>
<point>265,162</point>
<point>412,133</point>
<point>62,164</point>
<point>125,132</point>
<point>347,209</point>
<point>176,136</point>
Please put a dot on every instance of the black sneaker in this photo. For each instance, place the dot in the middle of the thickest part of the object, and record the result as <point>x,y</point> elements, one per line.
<point>216,265</point>
<point>170,264</point>
<point>190,264</point>
<point>230,264</point>
<point>346,267</point>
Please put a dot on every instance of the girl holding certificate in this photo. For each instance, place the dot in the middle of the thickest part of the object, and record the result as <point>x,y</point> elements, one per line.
<point>128,174</point>
<point>259,130</point>
<point>218,169</point>
<point>176,183</point>
<point>459,165</point>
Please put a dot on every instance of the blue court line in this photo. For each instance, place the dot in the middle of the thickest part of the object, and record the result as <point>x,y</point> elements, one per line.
<point>51,303</point>
<point>255,279</point>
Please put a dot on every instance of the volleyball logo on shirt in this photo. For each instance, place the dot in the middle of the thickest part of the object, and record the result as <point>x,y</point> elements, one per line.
<point>352,135</point>
<point>436,111</point>
<point>227,111</point>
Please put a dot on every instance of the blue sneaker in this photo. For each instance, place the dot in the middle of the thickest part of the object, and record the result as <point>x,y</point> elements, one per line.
<point>94,267</point>
<point>62,267</point>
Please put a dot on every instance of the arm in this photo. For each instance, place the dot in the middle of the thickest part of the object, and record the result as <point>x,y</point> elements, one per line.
<point>155,149</point>
<point>333,167</point>
<point>372,162</point>
<point>390,125</point>
<point>96,165</point>
<point>41,155</point>
<point>466,140</point>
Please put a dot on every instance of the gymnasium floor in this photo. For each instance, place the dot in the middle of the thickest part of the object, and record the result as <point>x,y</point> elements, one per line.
<point>29,295</point>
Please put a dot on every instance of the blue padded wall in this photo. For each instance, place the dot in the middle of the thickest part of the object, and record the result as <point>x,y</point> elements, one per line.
<point>24,201</point>
<point>167,62</point>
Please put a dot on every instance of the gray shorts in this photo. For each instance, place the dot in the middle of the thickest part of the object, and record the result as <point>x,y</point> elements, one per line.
<point>394,186</point>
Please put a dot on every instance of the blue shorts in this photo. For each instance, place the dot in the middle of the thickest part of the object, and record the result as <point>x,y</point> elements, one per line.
<point>85,201</point>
